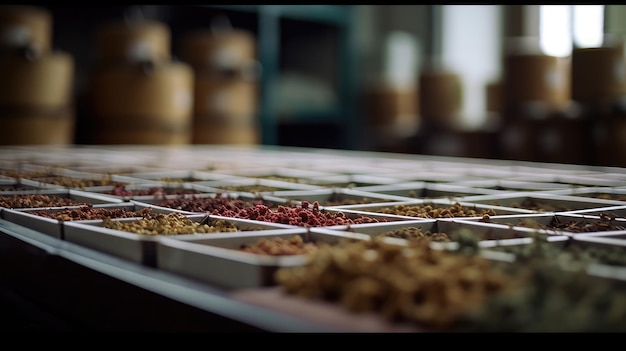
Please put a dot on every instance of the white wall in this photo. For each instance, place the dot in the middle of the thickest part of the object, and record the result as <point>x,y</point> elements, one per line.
<point>472,48</point>
<point>376,22</point>
<point>615,21</point>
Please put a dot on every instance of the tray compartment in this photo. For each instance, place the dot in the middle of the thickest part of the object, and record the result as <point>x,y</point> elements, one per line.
<point>173,177</point>
<point>282,174</point>
<point>457,233</point>
<point>31,218</point>
<point>509,185</point>
<point>560,223</point>
<point>151,191</point>
<point>219,261</point>
<point>47,198</point>
<point>209,202</point>
<point>140,248</point>
<point>606,193</point>
<point>433,208</point>
<point>256,185</point>
<point>426,190</point>
<point>336,197</point>
<point>353,181</point>
<point>539,202</point>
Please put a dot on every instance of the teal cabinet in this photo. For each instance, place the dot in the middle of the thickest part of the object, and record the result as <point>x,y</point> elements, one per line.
<point>273,49</point>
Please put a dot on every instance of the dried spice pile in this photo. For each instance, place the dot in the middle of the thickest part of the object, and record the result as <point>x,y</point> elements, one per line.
<point>412,283</point>
<point>169,224</point>
<point>436,211</point>
<point>26,174</point>
<point>249,188</point>
<point>338,199</point>
<point>553,300</point>
<point>535,205</point>
<point>450,291</point>
<point>89,212</point>
<point>37,200</point>
<point>618,197</point>
<point>414,233</point>
<point>122,190</point>
<point>75,183</point>
<point>570,253</point>
<point>278,246</point>
<point>302,216</point>
<point>214,205</point>
<point>284,179</point>
<point>605,222</point>
<point>15,187</point>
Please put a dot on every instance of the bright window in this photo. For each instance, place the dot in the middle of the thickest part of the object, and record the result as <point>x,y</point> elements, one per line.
<point>588,25</point>
<point>560,26</point>
<point>471,47</point>
<point>555,36</point>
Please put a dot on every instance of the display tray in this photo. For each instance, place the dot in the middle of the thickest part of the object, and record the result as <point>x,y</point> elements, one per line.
<point>510,185</point>
<point>352,181</point>
<point>431,208</point>
<point>41,198</point>
<point>256,185</point>
<point>282,174</point>
<point>15,185</point>
<point>559,223</point>
<point>57,178</point>
<point>448,232</point>
<point>178,177</point>
<point>336,197</point>
<point>428,190</point>
<point>141,248</point>
<point>597,192</point>
<point>398,242</point>
<point>598,256</point>
<point>194,257</point>
<point>46,220</point>
<point>541,202</point>
<point>209,201</point>
<point>618,212</point>
<point>150,191</point>
<point>573,180</point>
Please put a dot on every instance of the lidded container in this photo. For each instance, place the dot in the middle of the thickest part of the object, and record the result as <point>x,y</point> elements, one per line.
<point>441,98</point>
<point>599,85</point>
<point>133,41</point>
<point>599,73</point>
<point>137,93</point>
<point>222,49</point>
<point>226,86</point>
<point>25,26</point>
<point>532,79</point>
<point>36,102</point>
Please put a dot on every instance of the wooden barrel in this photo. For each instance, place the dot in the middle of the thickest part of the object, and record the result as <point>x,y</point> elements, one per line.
<point>224,130</point>
<point>515,140</point>
<point>25,125</point>
<point>25,26</point>
<point>386,105</point>
<point>561,139</point>
<point>133,42</point>
<point>598,74</point>
<point>36,103</point>
<point>134,104</point>
<point>535,78</point>
<point>228,49</point>
<point>225,110</point>
<point>609,140</point>
<point>45,81</point>
<point>494,97</point>
<point>440,97</point>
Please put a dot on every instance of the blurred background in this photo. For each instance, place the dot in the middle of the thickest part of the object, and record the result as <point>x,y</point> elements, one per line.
<point>522,82</point>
